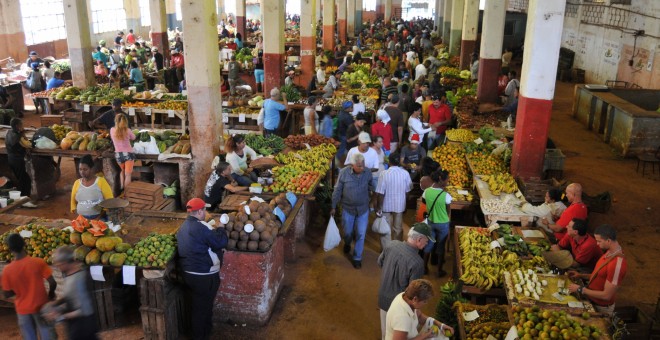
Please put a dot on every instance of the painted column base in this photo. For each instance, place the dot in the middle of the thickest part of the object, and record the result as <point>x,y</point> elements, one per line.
<point>455,42</point>
<point>467,48</point>
<point>489,70</point>
<point>342,30</point>
<point>307,54</point>
<point>328,37</point>
<point>273,71</point>
<point>531,135</point>
<point>446,30</point>
<point>240,25</point>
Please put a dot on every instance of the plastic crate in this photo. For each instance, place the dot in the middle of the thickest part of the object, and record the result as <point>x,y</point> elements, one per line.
<point>554,160</point>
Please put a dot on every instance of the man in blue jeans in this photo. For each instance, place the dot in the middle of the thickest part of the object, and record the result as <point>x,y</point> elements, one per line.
<point>353,189</point>
<point>272,108</point>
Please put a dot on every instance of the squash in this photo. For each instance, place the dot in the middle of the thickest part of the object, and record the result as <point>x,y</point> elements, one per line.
<point>66,143</point>
<point>83,144</point>
<point>76,144</point>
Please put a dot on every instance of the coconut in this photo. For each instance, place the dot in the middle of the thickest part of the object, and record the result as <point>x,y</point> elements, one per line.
<point>266,236</point>
<point>255,215</point>
<point>238,226</point>
<point>231,244</point>
<point>263,245</point>
<point>243,236</point>
<point>254,206</point>
<point>259,225</point>
<point>241,245</point>
<point>234,235</point>
<point>254,236</point>
<point>252,245</point>
<point>232,216</point>
<point>229,226</point>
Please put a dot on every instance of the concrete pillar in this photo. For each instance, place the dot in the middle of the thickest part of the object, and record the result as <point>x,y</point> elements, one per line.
<point>456,27</point>
<point>446,23</point>
<point>79,43</point>
<point>341,20</point>
<point>273,14</point>
<point>240,18</point>
<point>470,30</point>
<point>350,18</point>
<point>12,37</point>
<point>358,15</point>
<point>203,82</point>
<point>319,10</point>
<point>490,58</point>
<point>132,8</point>
<point>159,26</point>
<point>220,5</point>
<point>379,8</point>
<point>170,12</point>
<point>545,20</point>
<point>437,19</point>
<point>328,25</point>
<point>307,40</point>
<point>387,11</point>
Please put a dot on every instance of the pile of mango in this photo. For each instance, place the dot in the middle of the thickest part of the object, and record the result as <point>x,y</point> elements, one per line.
<point>153,251</point>
<point>172,105</point>
<point>41,241</point>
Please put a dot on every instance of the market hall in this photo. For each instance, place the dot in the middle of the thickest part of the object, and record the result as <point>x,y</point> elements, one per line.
<point>154,148</point>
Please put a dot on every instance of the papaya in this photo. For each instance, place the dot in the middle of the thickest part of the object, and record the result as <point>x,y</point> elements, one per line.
<point>83,145</point>
<point>107,243</point>
<point>81,252</point>
<point>76,144</point>
<point>122,247</point>
<point>105,258</point>
<point>93,257</point>
<point>73,135</point>
<point>186,149</point>
<point>118,259</point>
<point>94,137</point>
<point>66,143</point>
<point>75,238</point>
<point>177,148</point>
<point>91,146</point>
<point>88,239</point>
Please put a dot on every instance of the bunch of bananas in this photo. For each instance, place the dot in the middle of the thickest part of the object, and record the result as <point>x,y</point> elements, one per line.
<point>314,159</point>
<point>483,266</point>
<point>460,135</point>
<point>60,131</point>
<point>453,191</point>
<point>536,262</point>
<point>501,183</point>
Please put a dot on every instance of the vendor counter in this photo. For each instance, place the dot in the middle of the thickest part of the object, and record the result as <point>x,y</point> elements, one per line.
<point>15,89</point>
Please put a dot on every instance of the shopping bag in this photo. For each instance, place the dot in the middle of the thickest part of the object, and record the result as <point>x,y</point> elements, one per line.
<point>332,237</point>
<point>428,326</point>
<point>381,226</point>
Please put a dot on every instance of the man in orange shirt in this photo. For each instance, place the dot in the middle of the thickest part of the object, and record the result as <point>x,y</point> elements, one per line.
<point>582,246</point>
<point>608,274</point>
<point>24,278</point>
<point>577,209</point>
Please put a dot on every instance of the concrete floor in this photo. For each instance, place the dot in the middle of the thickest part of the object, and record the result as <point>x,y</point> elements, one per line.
<point>325,298</point>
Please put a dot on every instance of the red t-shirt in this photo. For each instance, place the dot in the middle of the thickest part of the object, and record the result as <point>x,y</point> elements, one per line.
<point>612,272</point>
<point>26,278</point>
<point>575,210</point>
<point>439,114</point>
<point>586,251</point>
<point>385,131</point>
<point>130,38</point>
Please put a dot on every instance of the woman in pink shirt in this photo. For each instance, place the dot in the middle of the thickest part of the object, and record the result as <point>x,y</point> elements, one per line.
<point>121,137</point>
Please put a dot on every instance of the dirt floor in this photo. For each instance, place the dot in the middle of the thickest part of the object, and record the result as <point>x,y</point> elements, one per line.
<point>325,298</point>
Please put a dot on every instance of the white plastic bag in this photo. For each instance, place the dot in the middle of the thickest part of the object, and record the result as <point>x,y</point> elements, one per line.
<point>332,237</point>
<point>381,226</point>
<point>44,142</point>
<point>428,326</point>
<point>147,148</point>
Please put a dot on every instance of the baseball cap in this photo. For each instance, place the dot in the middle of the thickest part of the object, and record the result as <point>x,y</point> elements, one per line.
<point>414,139</point>
<point>423,229</point>
<point>363,137</point>
<point>347,104</point>
<point>196,204</point>
<point>33,53</point>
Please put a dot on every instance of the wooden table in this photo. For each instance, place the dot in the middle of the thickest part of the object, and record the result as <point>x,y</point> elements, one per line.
<point>516,216</point>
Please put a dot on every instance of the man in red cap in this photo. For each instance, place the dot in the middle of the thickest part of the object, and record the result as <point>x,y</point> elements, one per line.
<point>200,248</point>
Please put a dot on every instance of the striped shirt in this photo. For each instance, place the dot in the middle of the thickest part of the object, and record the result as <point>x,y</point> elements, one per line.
<point>613,272</point>
<point>393,184</point>
<point>401,264</point>
<point>353,191</point>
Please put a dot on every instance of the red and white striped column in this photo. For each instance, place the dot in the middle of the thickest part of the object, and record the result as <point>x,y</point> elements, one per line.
<point>240,18</point>
<point>341,20</point>
<point>490,55</point>
<point>203,84</point>
<point>328,25</point>
<point>79,43</point>
<point>273,32</point>
<point>307,40</point>
<point>470,30</point>
<point>545,20</point>
<point>159,27</point>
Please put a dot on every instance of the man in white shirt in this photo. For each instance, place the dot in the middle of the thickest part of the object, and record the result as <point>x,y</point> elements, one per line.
<point>357,106</point>
<point>370,155</point>
<point>422,69</point>
<point>393,187</point>
<point>320,74</point>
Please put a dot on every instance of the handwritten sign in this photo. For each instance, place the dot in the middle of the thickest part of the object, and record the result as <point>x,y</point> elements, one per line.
<point>147,112</point>
<point>128,272</point>
<point>97,273</point>
<point>86,108</point>
<point>160,95</point>
<point>131,111</point>
<point>170,113</point>
<point>241,118</point>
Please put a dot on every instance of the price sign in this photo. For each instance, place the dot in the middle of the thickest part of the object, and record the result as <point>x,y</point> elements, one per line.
<point>291,197</point>
<point>127,92</point>
<point>131,111</point>
<point>170,113</point>
<point>86,108</point>
<point>160,95</point>
<point>51,100</point>
<point>319,108</point>
<point>147,111</point>
<point>184,92</point>
<point>129,275</point>
<point>241,118</point>
<point>225,118</point>
<point>478,141</point>
<point>224,103</point>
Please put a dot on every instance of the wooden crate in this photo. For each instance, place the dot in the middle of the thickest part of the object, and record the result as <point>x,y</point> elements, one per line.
<point>76,116</point>
<point>232,202</point>
<point>168,322</point>
<point>48,120</point>
<point>154,292</point>
<point>102,297</point>
<point>534,189</point>
<point>142,195</point>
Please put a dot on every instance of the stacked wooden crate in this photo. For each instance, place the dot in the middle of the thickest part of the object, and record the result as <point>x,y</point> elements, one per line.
<point>147,196</point>
<point>165,314</point>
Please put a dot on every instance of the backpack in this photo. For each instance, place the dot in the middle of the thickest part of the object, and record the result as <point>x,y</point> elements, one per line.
<point>34,81</point>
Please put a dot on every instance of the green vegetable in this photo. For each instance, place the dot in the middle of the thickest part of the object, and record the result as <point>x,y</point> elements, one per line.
<point>265,145</point>
<point>292,93</point>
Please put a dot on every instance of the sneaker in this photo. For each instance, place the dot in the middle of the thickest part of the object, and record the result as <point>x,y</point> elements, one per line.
<point>29,205</point>
<point>357,264</point>
<point>347,248</point>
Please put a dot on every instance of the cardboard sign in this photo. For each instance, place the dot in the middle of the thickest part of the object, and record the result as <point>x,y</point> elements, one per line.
<point>86,108</point>
<point>147,111</point>
<point>131,111</point>
<point>170,113</point>
<point>128,272</point>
